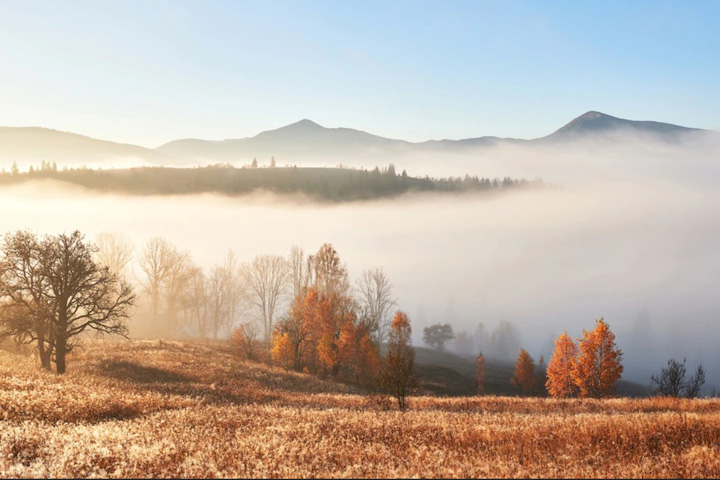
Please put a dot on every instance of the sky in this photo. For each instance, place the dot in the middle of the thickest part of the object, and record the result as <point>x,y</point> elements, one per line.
<point>148,72</point>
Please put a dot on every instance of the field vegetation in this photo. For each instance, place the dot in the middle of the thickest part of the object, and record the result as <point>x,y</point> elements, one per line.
<point>172,409</point>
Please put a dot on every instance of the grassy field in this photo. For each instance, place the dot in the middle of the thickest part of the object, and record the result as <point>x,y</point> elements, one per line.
<point>166,409</point>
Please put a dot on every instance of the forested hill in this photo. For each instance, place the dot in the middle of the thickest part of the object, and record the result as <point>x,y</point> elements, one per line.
<point>326,184</point>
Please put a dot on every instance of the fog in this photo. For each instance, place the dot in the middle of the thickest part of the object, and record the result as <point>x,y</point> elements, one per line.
<point>631,234</point>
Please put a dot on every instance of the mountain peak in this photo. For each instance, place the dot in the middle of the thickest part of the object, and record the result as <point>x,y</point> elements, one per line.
<point>305,123</point>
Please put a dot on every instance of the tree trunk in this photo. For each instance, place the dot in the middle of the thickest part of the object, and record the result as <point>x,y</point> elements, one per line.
<point>60,351</point>
<point>61,343</point>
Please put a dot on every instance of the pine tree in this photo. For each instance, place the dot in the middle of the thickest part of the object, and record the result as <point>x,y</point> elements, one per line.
<point>541,377</point>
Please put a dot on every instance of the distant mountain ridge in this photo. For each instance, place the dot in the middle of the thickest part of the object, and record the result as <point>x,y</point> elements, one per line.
<point>35,144</point>
<point>304,138</point>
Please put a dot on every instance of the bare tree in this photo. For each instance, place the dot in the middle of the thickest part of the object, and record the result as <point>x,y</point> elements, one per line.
<point>376,302</point>
<point>235,288</point>
<point>266,278</point>
<point>177,284</point>
<point>25,313</point>
<point>155,263</point>
<point>84,294</point>
<point>300,271</point>
<point>167,277</point>
<point>66,294</point>
<point>115,251</point>
<point>197,306</point>
<point>217,300</point>
<point>330,276</point>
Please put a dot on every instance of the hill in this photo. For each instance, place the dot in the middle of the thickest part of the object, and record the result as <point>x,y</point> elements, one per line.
<point>445,373</point>
<point>162,409</point>
<point>303,138</point>
<point>34,145</point>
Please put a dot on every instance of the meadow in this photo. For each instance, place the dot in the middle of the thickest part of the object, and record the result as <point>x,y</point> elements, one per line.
<point>175,409</point>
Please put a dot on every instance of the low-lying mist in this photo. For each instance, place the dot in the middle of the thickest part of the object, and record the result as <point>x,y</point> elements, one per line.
<point>632,235</point>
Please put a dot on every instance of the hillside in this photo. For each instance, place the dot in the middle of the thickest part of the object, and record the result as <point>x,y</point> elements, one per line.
<point>159,409</point>
<point>445,373</point>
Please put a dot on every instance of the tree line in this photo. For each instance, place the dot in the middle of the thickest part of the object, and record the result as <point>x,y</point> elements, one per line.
<point>299,311</point>
<point>326,184</point>
<point>56,287</point>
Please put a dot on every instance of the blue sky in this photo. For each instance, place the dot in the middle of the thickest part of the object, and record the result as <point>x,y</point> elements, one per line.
<point>148,72</point>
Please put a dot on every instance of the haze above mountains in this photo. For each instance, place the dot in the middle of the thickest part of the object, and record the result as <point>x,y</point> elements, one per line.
<point>306,140</point>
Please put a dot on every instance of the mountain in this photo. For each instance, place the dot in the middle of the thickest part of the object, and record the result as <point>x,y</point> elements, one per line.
<point>597,123</point>
<point>306,141</point>
<point>301,138</point>
<point>34,144</point>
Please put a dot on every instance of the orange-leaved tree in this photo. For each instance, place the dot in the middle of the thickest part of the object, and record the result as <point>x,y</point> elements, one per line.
<point>480,374</point>
<point>524,377</point>
<point>598,364</point>
<point>560,381</point>
<point>398,375</point>
<point>291,336</point>
<point>358,356</point>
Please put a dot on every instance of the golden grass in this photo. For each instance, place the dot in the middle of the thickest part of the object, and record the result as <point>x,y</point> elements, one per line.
<point>158,409</point>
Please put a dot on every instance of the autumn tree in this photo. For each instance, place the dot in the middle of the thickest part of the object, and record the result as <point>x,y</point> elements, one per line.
<point>292,339</point>
<point>358,355</point>
<point>330,276</point>
<point>245,340</point>
<point>62,291</point>
<point>598,365</point>
<point>398,375</point>
<point>480,374</point>
<point>376,302</point>
<point>524,377</point>
<point>560,381</point>
<point>435,336</point>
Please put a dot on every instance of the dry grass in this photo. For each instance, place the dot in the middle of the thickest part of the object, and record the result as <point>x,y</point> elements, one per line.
<point>151,409</point>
